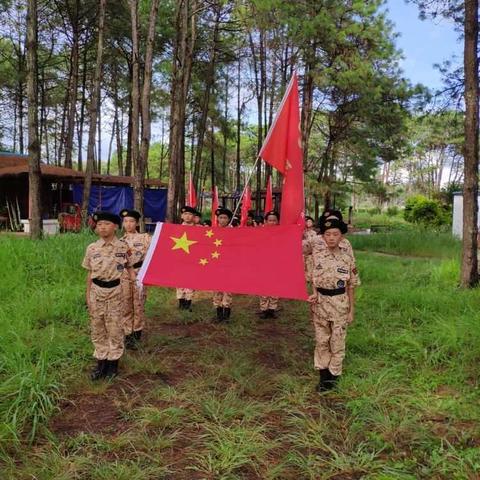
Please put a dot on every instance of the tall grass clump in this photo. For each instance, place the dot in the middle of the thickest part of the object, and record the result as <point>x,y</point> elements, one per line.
<point>41,314</point>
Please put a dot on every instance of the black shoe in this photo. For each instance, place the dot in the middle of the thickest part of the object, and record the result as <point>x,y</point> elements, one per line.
<point>264,314</point>
<point>226,313</point>
<point>220,317</point>
<point>188,305</point>
<point>99,371</point>
<point>112,369</point>
<point>323,384</point>
<point>137,335</point>
<point>332,381</point>
<point>130,343</point>
<point>272,313</point>
<point>181,303</point>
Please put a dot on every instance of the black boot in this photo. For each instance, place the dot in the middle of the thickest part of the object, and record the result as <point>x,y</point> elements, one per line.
<point>220,317</point>
<point>264,314</point>
<point>332,381</point>
<point>181,303</point>
<point>226,314</point>
<point>324,380</point>
<point>112,369</point>
<point>130,343</point>
<point>99,371</point>
<point>137,335</point>
<point>188,305</point>
<point>272,314</point>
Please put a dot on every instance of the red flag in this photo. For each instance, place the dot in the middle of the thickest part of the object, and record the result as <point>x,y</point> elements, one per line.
<point>237,260</point>
<point>192,195</point>
<point>214,206</point>
<point>282,149</point>
<point>269,196</point>
<point>246,205</point>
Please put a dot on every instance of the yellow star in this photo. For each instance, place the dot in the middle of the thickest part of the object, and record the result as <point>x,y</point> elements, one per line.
<point>215,255</point>
<point>203,261</point>
<point>209,233</point>
<point>217,242</point>
<point>183,243</point>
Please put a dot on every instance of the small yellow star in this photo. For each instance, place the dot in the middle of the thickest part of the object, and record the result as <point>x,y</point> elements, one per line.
<point>209,233</point>
<point>288,165</point>
<point>217,242</point>
<point>215,255</point>
<point>183,243</point>
<point>203,261</point>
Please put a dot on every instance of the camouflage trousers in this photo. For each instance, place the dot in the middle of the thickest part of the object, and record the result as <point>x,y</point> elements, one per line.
<point>329,318</point>
<point>106,322</point>
<point>185,293</point>
<point>222,299</point>
<point>308,267</point>
<point>134,308</point>
<point>268,303</point>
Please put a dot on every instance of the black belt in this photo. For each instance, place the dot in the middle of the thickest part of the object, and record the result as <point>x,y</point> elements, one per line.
<point>331,292</point>
<point>105,284</point>
<point>138,264</point>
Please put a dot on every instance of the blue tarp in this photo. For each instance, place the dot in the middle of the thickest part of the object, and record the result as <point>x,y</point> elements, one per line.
<point>114,199</point>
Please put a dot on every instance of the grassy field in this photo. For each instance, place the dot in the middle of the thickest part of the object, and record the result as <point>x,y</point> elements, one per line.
<point>202,401</point>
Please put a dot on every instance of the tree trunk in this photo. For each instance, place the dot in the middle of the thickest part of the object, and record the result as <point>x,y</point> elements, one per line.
<point>73,86</point>
<point>239,128</point>
<point>146,115</point>
<point>34,172</point>
<point>82,110</point>
<point>93,111</point>
<point>182,65</point>
<point>135,92</point>
<point>469,273</point>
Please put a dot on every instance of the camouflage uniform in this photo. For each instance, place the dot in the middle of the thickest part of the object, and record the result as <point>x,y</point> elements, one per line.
<point>134,312</point>
<point>107,262</point>
<point>186,293</point>
<point>222,299</point>
<point>332,270</point>
<point>268,303</point>
<point>308,234</point>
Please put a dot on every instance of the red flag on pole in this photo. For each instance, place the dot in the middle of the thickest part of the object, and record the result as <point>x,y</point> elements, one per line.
<point>214,206</point>
<point>237,260</point>
<point>269,196</point>
<point>282,149</point>
<point>192,195</point>
<point>246,205</point>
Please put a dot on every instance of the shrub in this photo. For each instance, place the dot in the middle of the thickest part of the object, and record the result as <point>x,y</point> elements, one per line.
<point>392,211</point>
<point>422,210</point>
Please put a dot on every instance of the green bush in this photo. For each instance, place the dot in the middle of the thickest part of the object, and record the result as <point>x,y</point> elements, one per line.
<point>425,211</point>
<point>374,211</point>
<point>392,211</point>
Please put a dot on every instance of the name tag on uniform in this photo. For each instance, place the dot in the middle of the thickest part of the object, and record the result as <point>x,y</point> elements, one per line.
<point>138,244</point>
<point>97,255</point>
<point>342,270</point>
<point>120,255</point>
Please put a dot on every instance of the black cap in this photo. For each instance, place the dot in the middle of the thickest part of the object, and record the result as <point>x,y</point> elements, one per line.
<point>197,213</point>
<point>130,213</point>
<point>274,213</point>
<point>107,216</point>
<point>308,217</point>
<point>334,223</point>
<point>259,219</point>
<point>188,209</point>
<point>251,214</point>
<point>224,211</point>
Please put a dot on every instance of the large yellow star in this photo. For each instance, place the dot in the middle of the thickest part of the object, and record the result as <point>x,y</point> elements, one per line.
<point>209,233</point>
<point>215,255</point>
<point>183,243</point>
<point>217,242</point>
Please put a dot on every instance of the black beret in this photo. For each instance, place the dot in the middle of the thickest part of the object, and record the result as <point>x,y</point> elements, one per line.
<point>274,213</point>
<point>259,219</point>
<point>224,211</point>
<point>130,213</point>
<point>188,209</point>
<point>251,214</point>
<point>309,218</point>
<point>334,223</point>
<point>109,217</point>
<point>197,213</point>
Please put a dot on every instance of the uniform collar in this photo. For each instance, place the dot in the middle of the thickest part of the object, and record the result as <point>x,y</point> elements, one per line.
<point>104,243</point>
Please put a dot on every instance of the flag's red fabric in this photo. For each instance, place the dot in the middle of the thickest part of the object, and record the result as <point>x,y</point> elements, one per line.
<point>256,261</point>
<point>282,149</point>
<point>246,205</point>
<point>214,206</point>
<point>192,195</point>
<point>269,196</point>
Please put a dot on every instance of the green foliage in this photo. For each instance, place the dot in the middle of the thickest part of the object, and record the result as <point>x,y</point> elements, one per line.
<point>393,211</point>
<point>424,211</point>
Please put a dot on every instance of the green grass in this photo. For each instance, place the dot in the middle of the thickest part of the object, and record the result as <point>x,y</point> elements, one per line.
<point>209,402</point>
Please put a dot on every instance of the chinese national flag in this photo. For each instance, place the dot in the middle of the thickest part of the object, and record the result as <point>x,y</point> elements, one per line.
<point>192,195</point>
<point>269,196</point>
<point>282,149</point>
<point>255,261</point>
<point>246,205</point>
<point>214,206</point>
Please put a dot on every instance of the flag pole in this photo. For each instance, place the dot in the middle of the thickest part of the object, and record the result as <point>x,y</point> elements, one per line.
<point>247,182</point>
